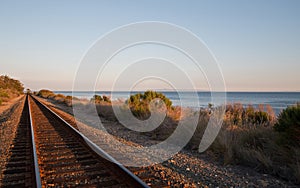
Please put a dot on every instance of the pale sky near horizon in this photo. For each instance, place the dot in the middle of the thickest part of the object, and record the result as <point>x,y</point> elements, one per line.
<point>256,43</point>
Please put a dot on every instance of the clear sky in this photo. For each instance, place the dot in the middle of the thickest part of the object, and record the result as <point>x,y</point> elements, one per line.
<point>257,43</point>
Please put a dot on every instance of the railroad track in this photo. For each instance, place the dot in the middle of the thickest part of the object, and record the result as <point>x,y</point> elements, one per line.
<point>54,154</point>
<point>20,168</point>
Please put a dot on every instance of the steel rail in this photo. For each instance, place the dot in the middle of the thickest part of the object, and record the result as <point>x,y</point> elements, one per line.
<point>35,158</point>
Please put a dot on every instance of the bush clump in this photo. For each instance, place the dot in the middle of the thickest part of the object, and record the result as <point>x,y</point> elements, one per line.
<point>60,98</point>
<point>238,115</point>
<point>68,100</point>
<point>7,83</point>
<point>3,94</point>
<point>288,124</point>
<point>139,103</point>
<point>106,99</point>
<point>9,88</point>
<point>98,99</point>
<point>44,93</point>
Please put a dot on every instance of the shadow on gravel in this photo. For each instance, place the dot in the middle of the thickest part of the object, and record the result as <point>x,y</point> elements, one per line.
<point>5,115</point>
<point>19,167</point>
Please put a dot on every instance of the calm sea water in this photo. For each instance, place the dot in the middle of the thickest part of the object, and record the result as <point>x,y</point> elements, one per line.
<point>278,100</point>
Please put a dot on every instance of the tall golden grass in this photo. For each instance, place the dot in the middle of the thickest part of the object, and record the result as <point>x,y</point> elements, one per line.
<point>252,142</point>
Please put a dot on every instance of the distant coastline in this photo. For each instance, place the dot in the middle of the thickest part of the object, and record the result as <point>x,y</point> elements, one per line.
<point>83,91</point>
<point>277,100</point>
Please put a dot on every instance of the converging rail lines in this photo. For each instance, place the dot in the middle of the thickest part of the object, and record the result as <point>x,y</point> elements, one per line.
<point>49,152</point>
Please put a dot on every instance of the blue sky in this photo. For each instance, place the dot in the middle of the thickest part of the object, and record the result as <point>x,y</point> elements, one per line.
<point>257,43</point>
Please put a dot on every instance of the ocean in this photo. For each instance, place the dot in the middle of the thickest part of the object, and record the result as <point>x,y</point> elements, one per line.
<point>277,100</point>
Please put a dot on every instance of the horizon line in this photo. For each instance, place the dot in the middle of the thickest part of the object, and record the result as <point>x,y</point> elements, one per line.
<point>187,90</point>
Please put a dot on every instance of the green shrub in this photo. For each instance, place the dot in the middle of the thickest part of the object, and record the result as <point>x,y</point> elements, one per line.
<point>106,99</point>
<point>288,125</point>
<point>139,103</point>
<point>68,97</point>
<point>236,114</point>
<point>9,88</point>
<point>147,97</point>
<point>13,85</point>
<point>46,93</point>
<point>3,94</point>
<point>58,97</point>
<point>260,117</point>
<point>96,99</point>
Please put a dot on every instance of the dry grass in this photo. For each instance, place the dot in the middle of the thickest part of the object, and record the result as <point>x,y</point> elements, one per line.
<point>258,147</point>
<point>9,88</point>
<point>247,136</point>
<point>251,142</point>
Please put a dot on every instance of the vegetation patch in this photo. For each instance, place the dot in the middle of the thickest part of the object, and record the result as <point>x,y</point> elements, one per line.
<point>60,98</point>
<point>237,114</point>
<point>98,99</point>
<point>44,93</point>
<point>257,138</point>
<point>288,125</point>
<point>9,88</point>
<point>249,136</point>
<point>140,103</point>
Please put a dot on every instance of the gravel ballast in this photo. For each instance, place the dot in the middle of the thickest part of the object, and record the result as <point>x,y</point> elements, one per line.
<point>187,168</point>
